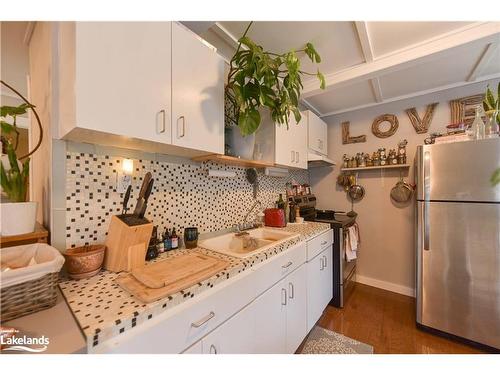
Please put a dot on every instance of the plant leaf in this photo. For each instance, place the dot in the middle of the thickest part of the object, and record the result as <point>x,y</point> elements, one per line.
<point>6,127</point>
<point>495,177</point>
<point>249,121</point>
<point>321,78</point>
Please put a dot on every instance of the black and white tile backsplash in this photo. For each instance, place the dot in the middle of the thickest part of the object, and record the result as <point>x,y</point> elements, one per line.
<point>183,195</point>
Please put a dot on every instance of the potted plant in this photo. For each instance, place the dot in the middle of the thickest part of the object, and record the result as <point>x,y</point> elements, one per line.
<point>18,214</point>
<point>491,106</point>
<point>263,80</point>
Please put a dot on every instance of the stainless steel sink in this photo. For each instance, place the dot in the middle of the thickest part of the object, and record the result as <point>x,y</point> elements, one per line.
<point>245,245</point>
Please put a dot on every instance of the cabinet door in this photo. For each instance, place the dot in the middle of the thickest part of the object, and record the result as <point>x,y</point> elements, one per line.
<point>270,320</point>
<point>296,314</point>
<point>317,133</point>
<point>236,336</point>
<point>198,93</point>
<point>291,144</point>
<point>122,78</point>
<point>319,286</point>
<point>327,277</point>
<point>196,348</point>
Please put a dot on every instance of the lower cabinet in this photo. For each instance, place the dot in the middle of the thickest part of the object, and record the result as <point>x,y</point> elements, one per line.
<point>281,315</point>
<point>319,285</point>
<point>236,336</point>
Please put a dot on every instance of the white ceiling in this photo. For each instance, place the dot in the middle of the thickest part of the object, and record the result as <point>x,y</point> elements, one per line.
<point>370,63</point>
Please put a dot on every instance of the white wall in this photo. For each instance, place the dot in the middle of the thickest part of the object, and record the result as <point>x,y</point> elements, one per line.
<point>386,258</point>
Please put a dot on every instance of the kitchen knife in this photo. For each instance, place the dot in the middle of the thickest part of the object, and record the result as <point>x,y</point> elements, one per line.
<point>146,196</point>
<point>142,192</point>
<point>125,200</point>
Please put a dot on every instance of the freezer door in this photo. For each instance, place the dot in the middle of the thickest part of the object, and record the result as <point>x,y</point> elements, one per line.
<point>458,171</point>
<point>458,277</point>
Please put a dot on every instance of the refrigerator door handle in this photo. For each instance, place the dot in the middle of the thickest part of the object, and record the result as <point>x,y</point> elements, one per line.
<point>426,226</point>
<point>427,174</point>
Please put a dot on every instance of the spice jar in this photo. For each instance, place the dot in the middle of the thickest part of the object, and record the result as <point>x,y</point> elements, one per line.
<point>345,164</point>
<point>368,160</point>
<point>376,159</point>
<point>383,156</point>
<point>402,151</point>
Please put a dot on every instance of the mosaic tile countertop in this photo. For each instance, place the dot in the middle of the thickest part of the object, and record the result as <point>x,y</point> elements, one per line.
<point>104,310</point>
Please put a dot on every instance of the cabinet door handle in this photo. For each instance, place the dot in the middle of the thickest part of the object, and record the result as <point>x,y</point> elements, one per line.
<point>163,115</point>
<point>324,243</point>
<point>283,296</point>
<point>325,263</point>
<point>179,134</point>
<point>202,321</point>
<point>213,349</point>
<point>287,265</point>
<point>293,157</point>
<point>321,265</point>
<point>291,290</point>
<point>297,158</point>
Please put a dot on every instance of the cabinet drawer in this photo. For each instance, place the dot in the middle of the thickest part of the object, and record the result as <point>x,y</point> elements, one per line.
<point>185,324</point>
<point>276,268</point>
<point>319,243</point>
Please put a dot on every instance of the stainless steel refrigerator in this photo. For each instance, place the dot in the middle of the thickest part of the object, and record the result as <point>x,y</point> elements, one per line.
<point>458,240</point>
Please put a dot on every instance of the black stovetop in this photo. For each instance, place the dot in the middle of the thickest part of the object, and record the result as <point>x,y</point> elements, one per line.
<point>335,218</point>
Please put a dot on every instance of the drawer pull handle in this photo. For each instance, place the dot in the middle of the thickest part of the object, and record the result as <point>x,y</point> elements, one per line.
<point>213,349</point>
<point>292,292</point>
<point>287,265</point>
<point>202,321</point>
<point>283,296</point>
<point>324,243</point>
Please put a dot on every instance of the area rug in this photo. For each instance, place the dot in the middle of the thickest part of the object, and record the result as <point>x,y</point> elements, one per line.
<point>324,341</point>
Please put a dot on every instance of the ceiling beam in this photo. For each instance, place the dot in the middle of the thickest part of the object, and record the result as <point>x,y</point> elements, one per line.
<point>483,61</point>
<point>366,48</point>
<point>411,95</point>
<point>405,58</point>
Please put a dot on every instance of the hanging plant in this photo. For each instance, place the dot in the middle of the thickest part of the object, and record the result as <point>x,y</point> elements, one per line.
<point>492,107</point>
<point>259,78</point>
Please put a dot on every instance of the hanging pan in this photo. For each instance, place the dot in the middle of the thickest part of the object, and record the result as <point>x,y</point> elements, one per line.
<point>356,192</point>
<point>402,191</point>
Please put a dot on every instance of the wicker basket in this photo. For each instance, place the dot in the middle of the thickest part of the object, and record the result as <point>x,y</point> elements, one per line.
<point>29,297</point>
<point>29,279</point>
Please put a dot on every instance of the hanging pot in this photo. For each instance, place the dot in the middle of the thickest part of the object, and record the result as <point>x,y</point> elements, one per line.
<point>402,191</point>
<point>356,192</point>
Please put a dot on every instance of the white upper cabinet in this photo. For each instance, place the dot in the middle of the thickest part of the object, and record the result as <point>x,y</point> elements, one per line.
<point>291,144</point>
<point>153,86</point>
<point>197,93</point>
<point>317,132</point>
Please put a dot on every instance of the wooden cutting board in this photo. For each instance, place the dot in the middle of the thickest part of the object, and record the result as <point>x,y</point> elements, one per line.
<point>148,295</point>
<point>169,271</point>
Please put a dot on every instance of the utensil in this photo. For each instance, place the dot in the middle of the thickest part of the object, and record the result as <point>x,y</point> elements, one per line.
<point>146,197</point>
<point>251,174</point>
<point>126,199</point>
<point>142,192</point>
<point>402,191</point>
<point>356,191</point>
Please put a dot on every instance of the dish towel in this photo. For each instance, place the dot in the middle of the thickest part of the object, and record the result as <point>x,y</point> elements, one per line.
<point>352,242</point>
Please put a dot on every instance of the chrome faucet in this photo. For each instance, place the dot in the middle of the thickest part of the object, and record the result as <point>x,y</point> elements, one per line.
<point>244,224</point>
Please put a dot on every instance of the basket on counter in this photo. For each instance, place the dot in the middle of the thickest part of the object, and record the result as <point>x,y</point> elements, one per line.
<point>29,279</point>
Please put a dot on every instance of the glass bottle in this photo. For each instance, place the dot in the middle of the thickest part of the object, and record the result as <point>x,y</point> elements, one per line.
<point>491,129</point>
<point>478,124</point>
<point>280,203</point>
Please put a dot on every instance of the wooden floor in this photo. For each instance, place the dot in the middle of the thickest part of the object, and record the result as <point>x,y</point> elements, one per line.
<point>386,321</point>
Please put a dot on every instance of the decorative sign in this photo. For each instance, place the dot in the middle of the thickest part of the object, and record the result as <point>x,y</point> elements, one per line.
<point>346,137</point>
<point>391,119</point>
<point>463,109</point>
<point>421,126</point>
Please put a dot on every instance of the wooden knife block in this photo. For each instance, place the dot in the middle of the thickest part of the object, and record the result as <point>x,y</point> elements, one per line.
<point>126,245</point>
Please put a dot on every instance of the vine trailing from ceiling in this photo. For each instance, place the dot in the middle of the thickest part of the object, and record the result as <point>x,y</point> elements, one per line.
<point>259,78</point>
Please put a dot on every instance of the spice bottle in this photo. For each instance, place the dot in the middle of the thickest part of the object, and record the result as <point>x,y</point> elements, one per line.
<point>174,239</point>
<point>167,242</point>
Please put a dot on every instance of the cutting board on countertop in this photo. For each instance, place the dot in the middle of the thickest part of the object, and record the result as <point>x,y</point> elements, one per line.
<point>173,270</point>
<point>175,274</point>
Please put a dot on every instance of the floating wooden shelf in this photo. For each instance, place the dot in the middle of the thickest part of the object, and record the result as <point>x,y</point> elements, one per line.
<point>231,160</point>
<point>394,166</point>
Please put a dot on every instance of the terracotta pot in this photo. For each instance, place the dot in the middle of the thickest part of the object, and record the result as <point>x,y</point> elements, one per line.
<point>84,261</point>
